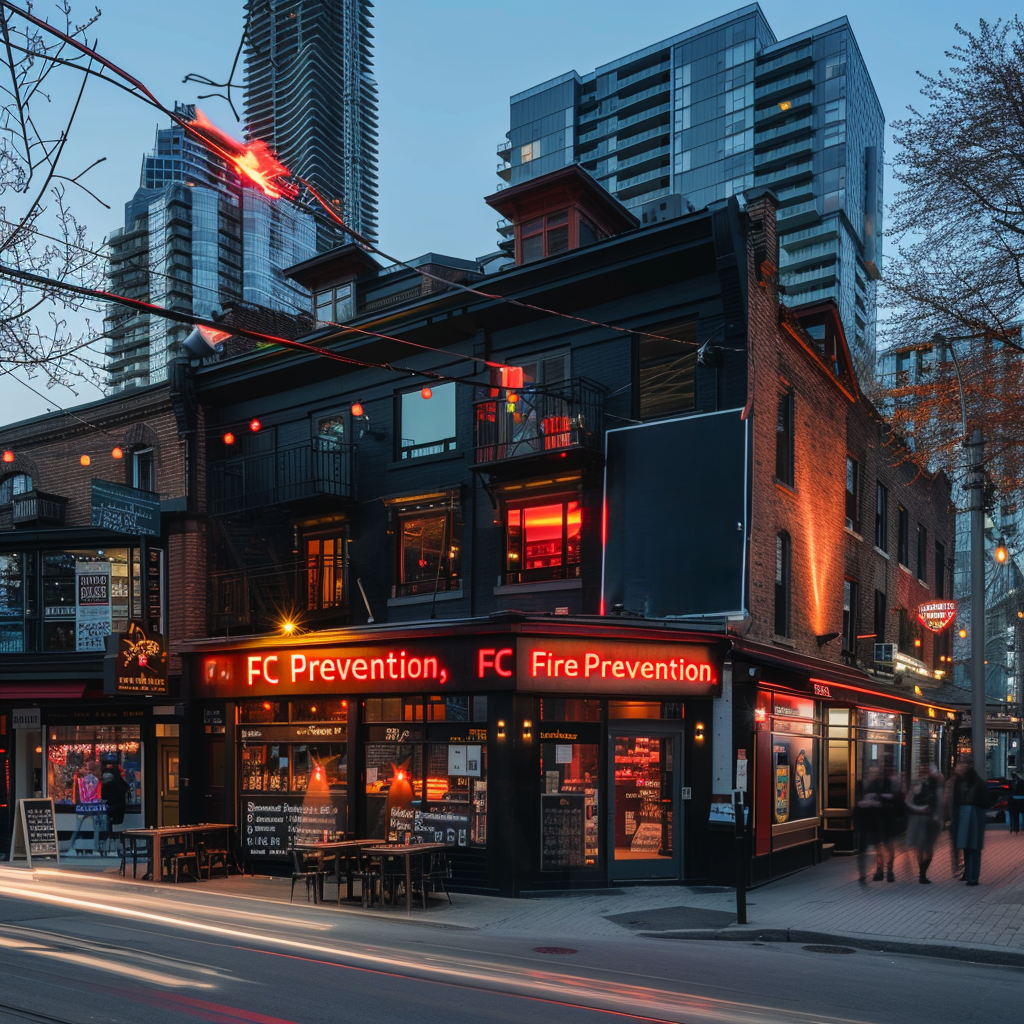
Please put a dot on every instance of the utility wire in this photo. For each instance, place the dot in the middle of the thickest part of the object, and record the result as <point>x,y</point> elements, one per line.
<point>365,242</point>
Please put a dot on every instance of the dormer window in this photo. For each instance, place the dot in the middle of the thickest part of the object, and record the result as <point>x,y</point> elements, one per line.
<point>334,305</point>
<point>545,236</point>
<point>559,212</point>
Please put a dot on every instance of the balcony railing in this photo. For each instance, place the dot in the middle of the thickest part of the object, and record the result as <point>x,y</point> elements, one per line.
<point>262,598</point>
<point>321,468</point>
<point>541,420</point>
<point>33,508</point>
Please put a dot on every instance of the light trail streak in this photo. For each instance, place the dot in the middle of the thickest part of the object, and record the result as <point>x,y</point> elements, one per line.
<point>572,990</point>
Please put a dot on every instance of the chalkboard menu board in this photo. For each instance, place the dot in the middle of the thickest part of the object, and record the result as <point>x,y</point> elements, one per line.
<point>562,831</point>
<point>271,823</point>
<point>35,830</point>
<point>125,509</point>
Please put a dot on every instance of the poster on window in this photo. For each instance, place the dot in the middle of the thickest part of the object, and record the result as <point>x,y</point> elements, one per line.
<point>796,790</point>
<point>92,605</point>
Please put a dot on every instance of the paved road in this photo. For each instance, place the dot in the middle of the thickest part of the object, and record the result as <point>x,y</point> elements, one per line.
<point>85,947</point>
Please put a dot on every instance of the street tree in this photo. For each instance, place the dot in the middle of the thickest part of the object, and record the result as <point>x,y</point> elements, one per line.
<point>44,330</point>
<point>956,278</point>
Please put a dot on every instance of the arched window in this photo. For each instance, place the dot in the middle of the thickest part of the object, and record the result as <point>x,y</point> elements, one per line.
<point>783,555</point>
<point>17,483</point>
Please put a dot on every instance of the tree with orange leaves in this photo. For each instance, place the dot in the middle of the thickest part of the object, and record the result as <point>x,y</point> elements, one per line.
<point>957,277</point>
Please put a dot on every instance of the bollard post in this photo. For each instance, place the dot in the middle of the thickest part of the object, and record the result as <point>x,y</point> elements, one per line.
<point>740,857</point>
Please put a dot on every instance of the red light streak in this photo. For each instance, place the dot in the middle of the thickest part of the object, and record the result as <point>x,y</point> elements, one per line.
<point>252,161</point>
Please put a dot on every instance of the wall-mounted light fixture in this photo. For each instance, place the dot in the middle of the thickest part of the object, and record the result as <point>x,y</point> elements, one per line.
<point>698,732</point>
<point>527,729</point>
<point>760,715</point>
<point>825,638</point>
<point>501,728</point>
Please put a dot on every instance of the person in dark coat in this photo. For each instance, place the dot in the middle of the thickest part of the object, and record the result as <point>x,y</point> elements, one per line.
<point>926,817</point>
<point>972,801</point>
<point>1016,802</point>
<point>114,791</point>
<point>866,811</point>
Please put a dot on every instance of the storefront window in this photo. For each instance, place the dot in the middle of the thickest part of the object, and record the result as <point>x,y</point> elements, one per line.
<point>570,816</point>
<point>926,748</point>
<point>75,755</point>
<point>12,604</point>
<point>296,753</point>
<point>426,771</point>
<point>794,759</point>
<point>880,744</point>
<point>86,596</point>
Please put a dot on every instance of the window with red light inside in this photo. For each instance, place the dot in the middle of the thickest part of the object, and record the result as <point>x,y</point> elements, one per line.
<point>543,541</point>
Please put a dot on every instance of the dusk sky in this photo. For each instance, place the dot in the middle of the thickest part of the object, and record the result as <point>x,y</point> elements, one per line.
<point>445,70</point>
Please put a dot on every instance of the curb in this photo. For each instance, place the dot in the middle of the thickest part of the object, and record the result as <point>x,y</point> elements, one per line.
<point>942,950</point>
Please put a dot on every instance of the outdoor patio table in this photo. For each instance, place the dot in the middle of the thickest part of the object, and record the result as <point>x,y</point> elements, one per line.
<point>347,848</point>
<point>169,838</point>
<point>407,852</point>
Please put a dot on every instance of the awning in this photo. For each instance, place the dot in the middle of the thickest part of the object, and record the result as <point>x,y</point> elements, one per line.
<point>41,691</point>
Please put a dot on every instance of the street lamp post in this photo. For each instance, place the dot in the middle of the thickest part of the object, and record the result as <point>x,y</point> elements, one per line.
<point>976,486</point>
<point>976,483</point>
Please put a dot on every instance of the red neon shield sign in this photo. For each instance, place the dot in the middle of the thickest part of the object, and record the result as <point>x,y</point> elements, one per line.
<point>936,615</point>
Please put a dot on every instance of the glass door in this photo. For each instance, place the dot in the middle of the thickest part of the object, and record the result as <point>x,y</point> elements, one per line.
<point>646,776</point>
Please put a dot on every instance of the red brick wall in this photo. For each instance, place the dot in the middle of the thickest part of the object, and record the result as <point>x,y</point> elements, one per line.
<point>831,419</point>
<point>50,448</point>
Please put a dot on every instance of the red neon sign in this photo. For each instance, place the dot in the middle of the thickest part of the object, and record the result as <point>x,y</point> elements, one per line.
<point>936,615</point>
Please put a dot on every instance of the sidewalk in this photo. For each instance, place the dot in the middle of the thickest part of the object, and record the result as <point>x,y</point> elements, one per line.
<point>823,904</point>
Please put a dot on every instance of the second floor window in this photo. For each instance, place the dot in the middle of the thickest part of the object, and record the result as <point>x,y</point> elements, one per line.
<point>783,554</point>
<point>852,494</point>
<point>882,517</point>
<point>922,553</point>
<point>143,476</point>
<point>940,570</point>
<point>325,572</point>
<point>904,538</point>
<point>850,602</point>
<point>18,483</point>
<point>667,372</point>
<point>881,605</point>
<point>428,554</point>
<point>427,425</point>
<point>784,439</point>
<point>543,542</point>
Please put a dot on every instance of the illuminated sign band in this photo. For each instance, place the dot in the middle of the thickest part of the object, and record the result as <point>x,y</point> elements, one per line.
<point>618,666</point>
<point>936,615</point>
<point>538,664</point>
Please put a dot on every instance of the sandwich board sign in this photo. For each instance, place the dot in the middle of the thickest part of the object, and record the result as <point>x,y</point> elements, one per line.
<point>35,830</point>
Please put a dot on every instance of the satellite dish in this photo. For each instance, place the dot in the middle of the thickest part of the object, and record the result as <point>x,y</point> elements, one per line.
<point>205,341</point>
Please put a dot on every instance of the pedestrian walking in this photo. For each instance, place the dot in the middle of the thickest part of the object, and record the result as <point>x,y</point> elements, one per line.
<point>926,816</point>
<point>866,809</point>
<point>115,794</point>
<point>972,801</point>
<point>1016,802</point>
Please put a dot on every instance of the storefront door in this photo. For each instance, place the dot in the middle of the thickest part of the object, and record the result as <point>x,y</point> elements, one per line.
<point>645,769</point>
<point>169,766</point>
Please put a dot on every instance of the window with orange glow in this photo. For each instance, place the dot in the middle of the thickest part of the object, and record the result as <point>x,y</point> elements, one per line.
<point>543,542</point>
<point>325,572</point>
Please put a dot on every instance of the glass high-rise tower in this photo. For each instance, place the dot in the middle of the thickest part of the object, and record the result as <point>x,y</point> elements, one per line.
<point>310,95</point>
<point>195,240</point>
<point>725,107</point>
